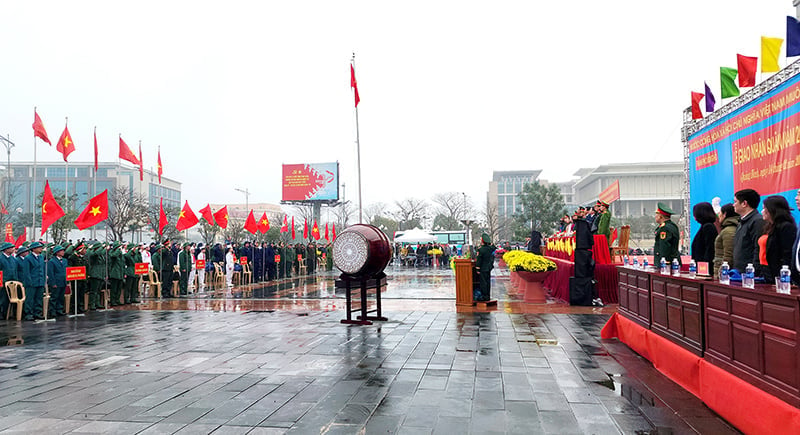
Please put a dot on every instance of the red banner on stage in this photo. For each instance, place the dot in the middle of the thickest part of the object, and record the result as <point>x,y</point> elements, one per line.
<point>141,268</point>
<point>76,273</point>
<point>200,264</point>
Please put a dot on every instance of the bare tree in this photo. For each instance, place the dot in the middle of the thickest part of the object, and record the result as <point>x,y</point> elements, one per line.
<point>172,213</point>
<point>453,205</point>
<point>305,212</point>
<point>60,228</point>
<point>235,231</point>
<point>410,212</point>
<point>492,221</point>
<point>375,210</point>
<point>343,214</point>
<point>127,211</point>
<point>208,232</point>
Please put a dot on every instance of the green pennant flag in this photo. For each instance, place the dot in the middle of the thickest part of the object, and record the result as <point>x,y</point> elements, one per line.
<point>727,79</point>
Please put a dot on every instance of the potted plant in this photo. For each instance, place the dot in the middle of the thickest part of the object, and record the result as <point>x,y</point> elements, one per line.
<point>531,270</point>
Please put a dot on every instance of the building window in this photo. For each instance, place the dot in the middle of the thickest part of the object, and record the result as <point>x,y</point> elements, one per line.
<point>82,172</point>
<point>57,172</point>
<point>102,172</point>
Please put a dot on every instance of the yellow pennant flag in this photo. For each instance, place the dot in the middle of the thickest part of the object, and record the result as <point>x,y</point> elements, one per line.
<point>770,50</point>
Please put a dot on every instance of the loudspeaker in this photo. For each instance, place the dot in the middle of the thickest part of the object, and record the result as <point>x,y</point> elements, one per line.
<point>581,291</point>
<point>583,235</point>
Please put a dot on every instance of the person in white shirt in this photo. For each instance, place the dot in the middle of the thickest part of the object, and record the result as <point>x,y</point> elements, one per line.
<point>201,273</point>
<point>230,260</point>
<point>145,254</point>
<point>192,269</point>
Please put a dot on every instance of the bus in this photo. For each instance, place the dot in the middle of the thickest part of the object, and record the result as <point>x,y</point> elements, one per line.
<point>444,237</point>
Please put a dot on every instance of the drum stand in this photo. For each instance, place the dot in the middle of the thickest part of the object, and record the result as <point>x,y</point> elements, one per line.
<point>364,283</point>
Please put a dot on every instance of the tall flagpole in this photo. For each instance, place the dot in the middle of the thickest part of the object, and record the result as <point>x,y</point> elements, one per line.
<point>94,186</point>
<point>66,175</point>
<point>358,148</point>
<point>33,186</point>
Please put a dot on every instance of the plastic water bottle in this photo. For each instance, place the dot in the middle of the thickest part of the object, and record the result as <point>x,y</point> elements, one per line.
<point>725,273</point>
<point>645,263</point>
<point>676,267</point>
<point>664,266</point>
<point>693,269</point>
<point>786,280</point>
<point>625,261</point>
<point>635,263</point>
<point>749,278</point>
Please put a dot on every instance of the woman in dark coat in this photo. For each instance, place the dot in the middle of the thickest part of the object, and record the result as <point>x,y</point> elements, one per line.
<point>703,243</point>
<point>780,229</point>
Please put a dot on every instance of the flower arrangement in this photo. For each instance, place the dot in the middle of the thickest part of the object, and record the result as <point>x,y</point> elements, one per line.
<point>435,251</point>
<point>456,257</point>
<point>498,253</point>
<point>528,262</point>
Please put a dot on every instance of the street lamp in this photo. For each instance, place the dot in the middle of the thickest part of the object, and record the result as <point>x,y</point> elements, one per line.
<point>8,144</point>
<point>466,221</point>
<point>246,197</point>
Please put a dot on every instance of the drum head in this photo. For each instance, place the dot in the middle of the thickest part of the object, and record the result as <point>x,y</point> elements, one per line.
<point>350,252</point>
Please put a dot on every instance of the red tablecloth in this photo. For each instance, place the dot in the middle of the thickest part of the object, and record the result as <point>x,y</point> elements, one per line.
<point>600,250</point>
<point>605,275</point>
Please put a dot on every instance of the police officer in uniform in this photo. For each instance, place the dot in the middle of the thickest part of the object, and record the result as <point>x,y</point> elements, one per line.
<point>667,236</point>
<point>34,286</point>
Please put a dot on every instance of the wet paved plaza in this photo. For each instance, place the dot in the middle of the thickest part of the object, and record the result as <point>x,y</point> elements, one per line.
<point>280,361</point>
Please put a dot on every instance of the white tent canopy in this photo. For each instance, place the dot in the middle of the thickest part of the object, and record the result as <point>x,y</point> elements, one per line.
<point>415,236</point>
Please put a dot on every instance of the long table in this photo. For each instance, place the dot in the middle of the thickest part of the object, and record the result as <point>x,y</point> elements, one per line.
<point>737,349</point>
<point>605,275</point>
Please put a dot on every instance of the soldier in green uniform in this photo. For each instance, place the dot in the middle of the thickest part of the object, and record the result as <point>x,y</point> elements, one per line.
<point>116,272</point>
<point>311,258</point>
<point>485,263</point>
<point>604,220</point>
<point>76,257</point>
<point>131,289</point>
<point>288,260</point>
<point>185,266</point>
<point>164,262</point>
<point>667,236</point>
<point>97,274</point>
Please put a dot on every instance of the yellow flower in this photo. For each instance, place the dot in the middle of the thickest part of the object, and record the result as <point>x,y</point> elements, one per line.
<point>527,261</point>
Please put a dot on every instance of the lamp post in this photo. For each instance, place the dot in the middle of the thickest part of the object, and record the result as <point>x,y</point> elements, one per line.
<point>246,197</point>
<point>467,222</point>
<point>8,144</point>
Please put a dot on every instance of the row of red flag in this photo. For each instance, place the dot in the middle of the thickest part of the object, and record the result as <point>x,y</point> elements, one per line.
<point>65,146</point>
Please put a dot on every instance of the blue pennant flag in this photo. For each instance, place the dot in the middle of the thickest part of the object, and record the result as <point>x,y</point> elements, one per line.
<point>792,36</point>
<point>710,101</point>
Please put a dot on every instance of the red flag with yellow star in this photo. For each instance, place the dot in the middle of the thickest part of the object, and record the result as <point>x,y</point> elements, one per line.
<point>38,128</point>
<point>51,211</point>
<point>207,214</point>
<point>263,223</point>
<point>94,213</point>
<point>221,217</point>
<point>162,217</point>
<point>65,145</point>
<point>187,218</point>
<point>250,224</point>
<point>315,231</point>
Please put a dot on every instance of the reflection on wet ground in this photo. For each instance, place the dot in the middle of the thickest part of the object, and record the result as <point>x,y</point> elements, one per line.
<point>280,361</point>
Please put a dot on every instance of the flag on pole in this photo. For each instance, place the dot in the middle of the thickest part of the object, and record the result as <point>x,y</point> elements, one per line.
<point>160,168</point>
<point>207,215</point>
<point>710,100</point>
<point>162,217</point>
<point>326,232</point>
<point>696,112</point>
<point>38,128</point>
<point>285,226</point>
<point>141,163</point>
<point>315,231</point>
<point>334,232</point>
<point>65,145</point>
<point>221,217</point>
<point>95,149</point>
<point>770,51</point>
<point>187,218</point>
<point>125,152</point>
<point>94,213</point>
<point>21,239</point>
<point>250,224</point>
<point>353,84</point>
<point>263,223</point>
<point>305,229</point>
<point>792,36</point>
<point>292,227</point>
<point>747,70</point>
<point>3,209</point>
<point>51,211</point>
<point>727,82</point>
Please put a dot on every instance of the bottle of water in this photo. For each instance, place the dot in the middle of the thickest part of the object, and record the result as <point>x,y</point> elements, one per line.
<point>635,263</point>
<point>749,278</point>
<point>625,261</point>
<point>664,266</point>
<point>725,273</point>
<point>645,263</point>
<point>786,280</point>
<point>693,269</point>
<point>676,267</point>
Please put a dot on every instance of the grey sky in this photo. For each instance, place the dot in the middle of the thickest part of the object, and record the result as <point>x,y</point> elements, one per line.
<point>449,90</point>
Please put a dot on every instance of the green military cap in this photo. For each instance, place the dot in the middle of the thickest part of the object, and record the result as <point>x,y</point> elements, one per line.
<point>6,245</point>
<point>664,209</point>
<point>26,244</point>
<point>97,245</point>
<point>485,238</point>
<point>22,249</point>
<point>115,245</point>
<point>57,248</point>
<point>35,245</point>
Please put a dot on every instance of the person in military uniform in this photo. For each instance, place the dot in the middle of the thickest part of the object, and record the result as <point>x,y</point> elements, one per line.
<point>603,220</point>
<point>131,286</point>
<point>34,266</point>
<point>163,262</point>
<point>485,263</point>
<point>97,274</point>
<point>667,236</point>
<point>311,258</point>
<point>269,262</point>
<point>185,267</point>
<point>287,259</point>
<point>116,272</point>
<point>57,281</point>
<point>8,265</point>
<point>76,257</point>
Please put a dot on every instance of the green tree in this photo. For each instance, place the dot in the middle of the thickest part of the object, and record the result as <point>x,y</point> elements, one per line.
<point>541,208</point>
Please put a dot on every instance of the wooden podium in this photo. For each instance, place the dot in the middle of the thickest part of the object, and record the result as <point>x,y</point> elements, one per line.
<point>464,283</point>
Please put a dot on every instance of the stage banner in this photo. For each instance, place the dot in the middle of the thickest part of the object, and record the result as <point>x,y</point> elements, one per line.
<point>757,147</point>
<point>308,182</point>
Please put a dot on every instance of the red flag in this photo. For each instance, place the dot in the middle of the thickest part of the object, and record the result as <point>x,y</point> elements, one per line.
<point>353,83</point>
<point>207,215</point>
<point>65,145</point>
<point>326,232</point>
<point>38,128</point>
<point>51,211</point>
<point>3,210</point>
<point>221,217</point>
<point>263,223</point>
<point>94,213</point>
<point>334,232</point>
<point>292,227</point>
<point>187,218</point>
<point>162,217</point>
<point>285,226</point>
<point>250,224</point>
<point>696,112</point>
<point>95,149</point>
<point>141,164</point>
<point>20,240</point>
<point>747,70</point>
<point>125,153</point>
<point>315,231</point>
<point>305,229</point>
<point>160,168</point>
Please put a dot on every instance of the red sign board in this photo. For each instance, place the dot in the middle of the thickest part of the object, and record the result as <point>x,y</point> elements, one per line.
<point>702,268</point>
<point>243,260</point>
<point>312,181</point>
<point>299,258</point>
<point>76,273</point>
<point>200,264</point>
<point>277,258</point>
<point>141,268</point>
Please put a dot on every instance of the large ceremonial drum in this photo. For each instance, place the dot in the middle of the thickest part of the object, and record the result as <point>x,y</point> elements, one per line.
<point>361,250</point>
